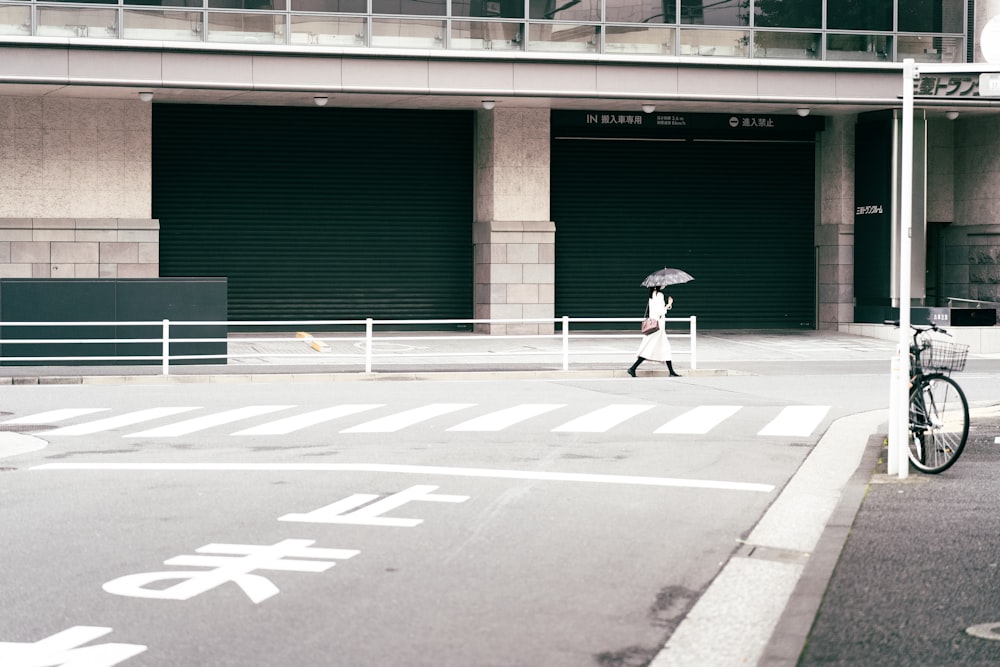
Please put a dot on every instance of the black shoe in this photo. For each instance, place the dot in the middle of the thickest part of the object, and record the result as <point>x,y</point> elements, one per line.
<point>631,372</point>
<point>675,375</point>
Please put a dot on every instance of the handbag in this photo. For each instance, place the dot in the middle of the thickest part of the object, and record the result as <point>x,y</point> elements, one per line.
<point>649,324</point>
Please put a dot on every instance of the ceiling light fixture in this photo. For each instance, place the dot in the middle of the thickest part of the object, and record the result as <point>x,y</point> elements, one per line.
<point>648,108</point>
<point>146,96</point>
<point>951,115</point>
<point>321,100</point>
<point>803,111</point>
<point>489,104</point>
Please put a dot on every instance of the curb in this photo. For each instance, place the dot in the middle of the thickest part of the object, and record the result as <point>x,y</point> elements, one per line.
<point>320,376</point>
<point>792,631</point>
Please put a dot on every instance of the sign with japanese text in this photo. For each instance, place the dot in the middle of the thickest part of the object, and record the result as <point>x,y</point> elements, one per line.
<point>660,123</point>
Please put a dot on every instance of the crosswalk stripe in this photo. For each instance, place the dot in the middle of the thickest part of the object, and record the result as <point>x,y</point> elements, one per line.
<point>208,421</point>
<point>110,423</point>
<point>501,419</point>
<point>52,416</point>
<point>699,420</point>
<point>603,419</point>
<point>796,420</point>
<point>291,424</point>
<point>401,420</point>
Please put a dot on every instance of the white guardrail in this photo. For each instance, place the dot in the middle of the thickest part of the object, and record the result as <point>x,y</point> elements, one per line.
<point>355,348</point>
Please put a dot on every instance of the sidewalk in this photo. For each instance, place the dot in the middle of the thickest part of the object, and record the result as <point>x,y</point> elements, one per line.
<point>906,572</point>
<point>458,356</point>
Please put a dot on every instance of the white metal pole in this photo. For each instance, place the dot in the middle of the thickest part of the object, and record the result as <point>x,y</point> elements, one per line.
<point>905,230</point>
<point>892,461</point>
<point>166,347</point>
<point>368,345</point>
<point>565,342</point>
<point>694,343</point>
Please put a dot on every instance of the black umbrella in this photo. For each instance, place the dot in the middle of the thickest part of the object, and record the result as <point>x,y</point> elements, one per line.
<point>665,277</point>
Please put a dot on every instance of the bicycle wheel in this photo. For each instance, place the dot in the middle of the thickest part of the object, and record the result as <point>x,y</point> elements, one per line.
<point>939,423</point>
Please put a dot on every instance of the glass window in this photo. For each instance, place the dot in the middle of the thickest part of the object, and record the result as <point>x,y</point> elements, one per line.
<point>731,43</point>
<point>486,35</point>
<point>328,30</point>
<point>651,40</point>
<point>859,14</point>
<point>246,4</point>
<point>245,28</point>
<point>409,7</point>
<point>570,37</point>
<point>715,12</point>
<point>166,3</point>
<point>74,22</point>
<point>408,34</point>
<point>788,13</point>
<point>858,47</point>
<point>932,16</point>
<point>639,11</point>
<point>566,10</point>
<point>931,49</point>
<point>506,9</point>
<point>800,45</point>
<point>15,20</point>
<point>344,6</point>
<point>161,26</point>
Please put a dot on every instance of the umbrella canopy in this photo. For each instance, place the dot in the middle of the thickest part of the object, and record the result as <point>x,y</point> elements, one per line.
<point>665,277</point>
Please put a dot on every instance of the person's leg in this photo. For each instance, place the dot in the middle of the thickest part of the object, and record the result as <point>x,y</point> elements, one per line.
<point>673,373</point>
<point>631,370</point>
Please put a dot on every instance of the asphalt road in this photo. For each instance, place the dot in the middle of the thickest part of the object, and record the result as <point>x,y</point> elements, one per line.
<point>580,534</point>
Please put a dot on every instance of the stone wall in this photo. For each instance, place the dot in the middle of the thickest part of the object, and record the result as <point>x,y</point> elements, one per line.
<point>67,157</point>
<point>79,248</point>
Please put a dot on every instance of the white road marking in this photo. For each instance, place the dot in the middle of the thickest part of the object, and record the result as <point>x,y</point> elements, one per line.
<point>298,422</point>
<point>110,423</point>
<point>699,420</point>
<point>602,420</point>
<point>501,419</point>
<point>400,420</point>
<point>208,421</point>
<point>417,470</point>
<point>54,416</point>
<point>796,420</point>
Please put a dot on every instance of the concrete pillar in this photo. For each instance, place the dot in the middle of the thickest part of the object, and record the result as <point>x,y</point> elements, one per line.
<point>835,230</point>
<point>513,237</point>
<point>76,192</point>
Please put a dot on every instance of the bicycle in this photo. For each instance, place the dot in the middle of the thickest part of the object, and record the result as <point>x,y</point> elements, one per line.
<point>939,411</point>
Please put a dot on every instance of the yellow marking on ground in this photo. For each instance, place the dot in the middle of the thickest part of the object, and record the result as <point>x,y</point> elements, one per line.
<point>317,345</point>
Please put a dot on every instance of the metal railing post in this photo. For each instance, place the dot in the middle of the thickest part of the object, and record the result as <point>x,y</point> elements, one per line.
<point>694,344</point>
<point>368,345</point>
<point>565,342</point>
<point>166,347</point>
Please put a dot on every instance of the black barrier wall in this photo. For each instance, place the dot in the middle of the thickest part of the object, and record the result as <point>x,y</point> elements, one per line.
<point>114,301</point>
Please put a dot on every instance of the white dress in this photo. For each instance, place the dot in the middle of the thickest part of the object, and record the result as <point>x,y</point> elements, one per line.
<point>656,346</point>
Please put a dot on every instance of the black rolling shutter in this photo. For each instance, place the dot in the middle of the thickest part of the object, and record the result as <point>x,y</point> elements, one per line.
<point>737,215</point>
<point>318,213</point>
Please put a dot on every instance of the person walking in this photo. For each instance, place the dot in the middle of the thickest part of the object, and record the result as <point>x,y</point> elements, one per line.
<point>656,346</point>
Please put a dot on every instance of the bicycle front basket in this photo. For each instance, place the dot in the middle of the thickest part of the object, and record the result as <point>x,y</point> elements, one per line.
<point>944,356</point>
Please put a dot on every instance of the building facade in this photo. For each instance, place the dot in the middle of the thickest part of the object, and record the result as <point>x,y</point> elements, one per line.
<point>342,159</point>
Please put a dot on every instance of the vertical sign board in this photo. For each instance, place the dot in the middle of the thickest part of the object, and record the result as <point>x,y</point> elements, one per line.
<point>876,218</point>
<point>873,217</point>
